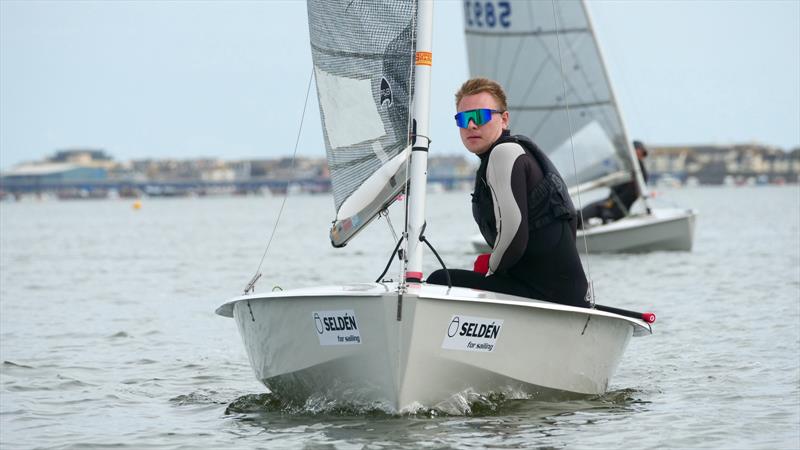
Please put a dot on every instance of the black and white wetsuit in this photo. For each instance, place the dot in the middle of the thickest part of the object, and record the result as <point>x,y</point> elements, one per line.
<point>618,203</point>
<point>524,212</point>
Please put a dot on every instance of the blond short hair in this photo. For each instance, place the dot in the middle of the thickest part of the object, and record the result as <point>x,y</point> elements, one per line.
<point>477,85</point>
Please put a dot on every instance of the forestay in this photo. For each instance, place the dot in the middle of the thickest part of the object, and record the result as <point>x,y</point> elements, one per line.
<point>363,56</point>
<point>517,44</point>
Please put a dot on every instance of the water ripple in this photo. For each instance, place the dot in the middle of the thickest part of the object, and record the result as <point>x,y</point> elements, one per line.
<point>134,356</point>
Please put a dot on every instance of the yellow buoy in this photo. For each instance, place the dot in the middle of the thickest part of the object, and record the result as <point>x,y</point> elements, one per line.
<point>137,204</point>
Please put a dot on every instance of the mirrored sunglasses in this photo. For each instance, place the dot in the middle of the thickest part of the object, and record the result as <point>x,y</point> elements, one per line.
<point>479,116</point>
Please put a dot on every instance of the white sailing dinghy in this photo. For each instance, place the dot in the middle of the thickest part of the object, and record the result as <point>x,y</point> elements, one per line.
<point>538,60</point>
<point>401,346</point>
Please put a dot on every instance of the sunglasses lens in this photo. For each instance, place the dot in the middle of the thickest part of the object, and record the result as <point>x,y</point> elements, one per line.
<point>463,118</point>
<point>484,116</point>
<point>479,116</point>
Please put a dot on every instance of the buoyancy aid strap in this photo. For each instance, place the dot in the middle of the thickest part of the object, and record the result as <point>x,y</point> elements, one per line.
<point>551,189</point>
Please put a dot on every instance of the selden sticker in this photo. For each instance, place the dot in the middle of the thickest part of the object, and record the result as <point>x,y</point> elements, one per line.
<point>336,327</point>
<point>472,334</point>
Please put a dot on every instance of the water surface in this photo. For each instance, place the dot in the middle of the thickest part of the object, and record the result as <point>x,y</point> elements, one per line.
<point>108,335</point>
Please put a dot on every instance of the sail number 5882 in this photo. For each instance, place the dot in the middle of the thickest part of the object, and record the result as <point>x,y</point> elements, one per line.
<point>487,14</point>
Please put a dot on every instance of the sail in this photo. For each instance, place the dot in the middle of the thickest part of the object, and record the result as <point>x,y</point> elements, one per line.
<point>363,53</point>
<point>515,43</point>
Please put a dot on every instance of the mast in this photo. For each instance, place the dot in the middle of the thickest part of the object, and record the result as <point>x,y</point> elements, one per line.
<point>415,220</point>
<point>644,193</point>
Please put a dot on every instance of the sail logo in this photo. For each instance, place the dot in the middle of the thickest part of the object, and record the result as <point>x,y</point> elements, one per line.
<point>336,327</point>
<point>472,334</point>
<point>386,93</point>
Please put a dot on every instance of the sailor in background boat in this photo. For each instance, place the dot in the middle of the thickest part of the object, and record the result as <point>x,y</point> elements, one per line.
<point>521,206</point>
<point>622,196</point>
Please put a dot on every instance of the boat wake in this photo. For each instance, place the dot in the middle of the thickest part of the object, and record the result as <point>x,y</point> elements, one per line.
<point>272,403</point>
<point>465,403</point>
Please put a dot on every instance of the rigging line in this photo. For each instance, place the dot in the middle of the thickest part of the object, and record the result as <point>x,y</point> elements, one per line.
<point>422,238</point>
<point>385,213</point>
<point>572,148</point>
<point>391,258</point>
<point>291,176</point>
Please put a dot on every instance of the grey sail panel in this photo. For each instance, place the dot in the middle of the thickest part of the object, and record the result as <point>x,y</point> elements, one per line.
<point>363,55</point>
<point>519,48</point>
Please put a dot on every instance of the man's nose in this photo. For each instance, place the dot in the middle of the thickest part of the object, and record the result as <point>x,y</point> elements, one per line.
<point>472,125</point>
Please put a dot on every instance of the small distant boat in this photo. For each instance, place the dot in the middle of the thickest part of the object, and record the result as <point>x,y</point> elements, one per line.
<point>668,181</point>
<point>663,229</point>
<point>692,181</point>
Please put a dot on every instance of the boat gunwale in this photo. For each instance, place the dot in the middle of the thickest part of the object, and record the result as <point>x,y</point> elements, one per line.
<point>426,291</point>
<point>635,221</point>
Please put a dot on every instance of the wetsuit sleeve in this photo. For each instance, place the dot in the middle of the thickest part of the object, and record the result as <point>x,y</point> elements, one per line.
<point>505,174</point>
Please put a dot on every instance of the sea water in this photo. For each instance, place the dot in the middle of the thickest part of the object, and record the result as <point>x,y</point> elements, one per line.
<point>108,336</point>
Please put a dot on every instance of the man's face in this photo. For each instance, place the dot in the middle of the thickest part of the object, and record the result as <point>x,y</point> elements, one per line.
<point>477,139</point>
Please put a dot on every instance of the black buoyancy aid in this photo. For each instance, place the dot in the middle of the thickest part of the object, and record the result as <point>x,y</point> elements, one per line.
<point>548,201</point>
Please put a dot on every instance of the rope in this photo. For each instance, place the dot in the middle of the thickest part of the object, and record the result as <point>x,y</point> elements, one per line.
<point>572,147</point>
<point>446,272</point>
<point>389,264</point>
<point>257,274</point>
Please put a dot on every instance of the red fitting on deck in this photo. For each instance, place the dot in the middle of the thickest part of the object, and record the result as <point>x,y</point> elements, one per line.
<point>649,317</point>
<point>414,276</point>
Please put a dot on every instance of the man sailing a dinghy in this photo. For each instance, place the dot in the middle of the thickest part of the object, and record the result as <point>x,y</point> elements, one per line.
<point>521,206</point>
<point>621,198</point>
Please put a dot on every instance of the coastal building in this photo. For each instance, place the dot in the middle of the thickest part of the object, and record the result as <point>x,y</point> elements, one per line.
<point>92,173</point>
<point>713,164</point>
<point>71,173</point>
<point>52,174</point>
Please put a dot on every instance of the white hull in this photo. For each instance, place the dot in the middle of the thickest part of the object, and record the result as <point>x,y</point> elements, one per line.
<point>418,361</point>
<point>663,230</point>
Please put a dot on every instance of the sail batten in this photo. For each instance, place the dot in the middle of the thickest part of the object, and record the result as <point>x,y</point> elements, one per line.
<point>527,33</point>
<point>352,54</point>
<point>559,106</point>
<point>363,55</point>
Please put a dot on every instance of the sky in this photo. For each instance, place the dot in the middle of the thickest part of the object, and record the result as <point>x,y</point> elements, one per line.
<point>228,79</point>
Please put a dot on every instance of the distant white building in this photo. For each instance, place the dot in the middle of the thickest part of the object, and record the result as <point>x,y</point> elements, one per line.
<point>52,173</point>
